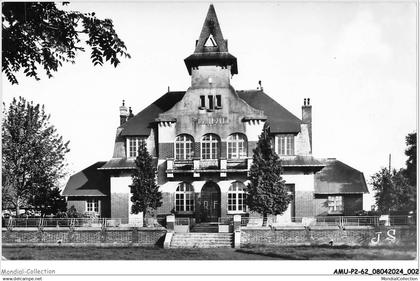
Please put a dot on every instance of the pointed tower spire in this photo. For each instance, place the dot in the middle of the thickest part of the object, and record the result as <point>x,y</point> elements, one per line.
<point>211,48</point>
<point>211,30</point>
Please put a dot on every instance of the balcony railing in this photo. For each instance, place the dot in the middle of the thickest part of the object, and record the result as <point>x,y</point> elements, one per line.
<point>197,166</point>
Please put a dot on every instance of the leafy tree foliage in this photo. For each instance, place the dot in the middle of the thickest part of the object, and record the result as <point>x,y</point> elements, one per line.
<point>38,34</point>
<point>48,200</point>
<point>32,157</point>
<point>396,190</point>
<point>394,194</point>
<point>146,196</point>
<point>411,152</point>
<point>267,192</point>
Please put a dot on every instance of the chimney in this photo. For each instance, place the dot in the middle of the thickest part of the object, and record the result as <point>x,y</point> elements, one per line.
<point>130,113</point>
<point>307,117</point>
<point>123,113</point>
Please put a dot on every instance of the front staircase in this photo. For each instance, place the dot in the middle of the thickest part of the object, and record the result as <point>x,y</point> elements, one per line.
<point>205,227</point>
<point>202,240</point>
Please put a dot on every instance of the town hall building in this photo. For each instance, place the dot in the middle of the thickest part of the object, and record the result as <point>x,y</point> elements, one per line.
<point>202,142</point>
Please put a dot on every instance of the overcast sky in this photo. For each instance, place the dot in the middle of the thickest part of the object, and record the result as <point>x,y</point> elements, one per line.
<point>356,62</point>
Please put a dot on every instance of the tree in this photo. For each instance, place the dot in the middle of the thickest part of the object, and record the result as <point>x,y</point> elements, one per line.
<point>48,200</point>
<point>396,191</point>
<point>32,154</point>
<point>267,192</point>
<point>38,34</point>
<point>146,196</point>
<point>411,152</point>
<point>394,194</point>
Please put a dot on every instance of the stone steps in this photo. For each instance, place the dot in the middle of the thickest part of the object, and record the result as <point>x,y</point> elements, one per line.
<point>205,227</point>
<point>202,240</point>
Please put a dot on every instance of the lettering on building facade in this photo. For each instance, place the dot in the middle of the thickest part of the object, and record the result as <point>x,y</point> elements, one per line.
<point>211,121</point>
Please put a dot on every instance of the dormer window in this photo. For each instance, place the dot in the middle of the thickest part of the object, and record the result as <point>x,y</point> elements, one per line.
<point>285,144</point>
<point>133,145</point>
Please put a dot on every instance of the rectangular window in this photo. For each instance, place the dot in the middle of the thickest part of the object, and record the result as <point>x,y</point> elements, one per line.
<point>179,202</point>
<point>92,206</point>
<point>286,145</point>
<point>240,201</point>
<point>218,101</point>
<point>189,202</point>
<point>213,151</point>
<point>232,202</point>
<point>335,204</point>
<point>211,105</point>
<point>134,145</point>
<point>203,101</point>
<point>231,150</point>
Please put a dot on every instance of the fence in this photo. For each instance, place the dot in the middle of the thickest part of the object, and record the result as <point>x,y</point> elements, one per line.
<point>78,222</point>
<point>245,221</point>
<point>328,221</point>
<point>185,221</point>
<point>225,220</point>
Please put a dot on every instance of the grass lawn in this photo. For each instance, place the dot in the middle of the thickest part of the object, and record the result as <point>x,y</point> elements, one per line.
<point>250,253</point>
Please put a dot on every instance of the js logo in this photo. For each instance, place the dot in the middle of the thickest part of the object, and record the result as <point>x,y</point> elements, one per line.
<point>390,237</point>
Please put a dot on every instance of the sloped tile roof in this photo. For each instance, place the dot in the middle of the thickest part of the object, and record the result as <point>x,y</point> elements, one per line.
<point>302,161</point>
<point>338,178</point>
<point>123,164</point>
<point>88,182</point>
<point>140,124</point>
<point>280,119</point>
<point>119,163</point>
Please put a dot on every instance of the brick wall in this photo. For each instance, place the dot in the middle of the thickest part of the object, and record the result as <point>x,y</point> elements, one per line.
<point>142,236</point>
<point>352,203</point>
<point>80,204</point>
<point>197,149</point>
<point>223,149</point>
<point>351,235</point>
<point>167,204</point>
<point>166,150</point>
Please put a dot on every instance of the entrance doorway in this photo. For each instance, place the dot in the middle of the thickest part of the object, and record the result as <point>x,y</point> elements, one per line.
<point>210,202</point>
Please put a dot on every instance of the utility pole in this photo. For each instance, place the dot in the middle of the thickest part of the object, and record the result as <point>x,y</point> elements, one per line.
<point>389,163</point>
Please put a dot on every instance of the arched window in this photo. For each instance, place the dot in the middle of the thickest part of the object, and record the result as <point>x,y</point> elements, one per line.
<point>236,197</point>
<point>184,147</point>
<point>210,146</point>
<point>237,146</point>
<point>184,197</point>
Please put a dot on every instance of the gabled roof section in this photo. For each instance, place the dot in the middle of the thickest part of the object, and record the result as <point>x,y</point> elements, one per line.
<point>140,124</point>
<point>339,178</point>
<point>211,30</point>
<point>88,182</point>
<point>281,120</point>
